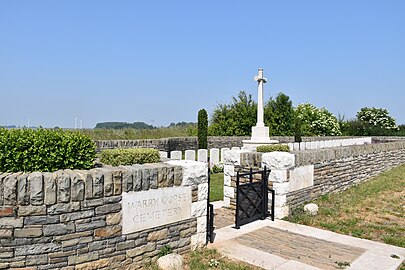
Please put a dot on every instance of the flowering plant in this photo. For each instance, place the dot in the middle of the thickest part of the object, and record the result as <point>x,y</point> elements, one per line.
<point>378,117</point>
<point>317,121</point>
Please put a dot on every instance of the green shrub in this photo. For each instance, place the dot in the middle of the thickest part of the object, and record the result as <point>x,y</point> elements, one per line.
<point>31,150</point>
<point>129,156</point>
<point>273,148</point>
<point>202,129</point>
<point>217,169</point>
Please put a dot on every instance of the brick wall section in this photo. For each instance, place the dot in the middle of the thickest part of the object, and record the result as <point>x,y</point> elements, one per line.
<point>72,219</point>
<point>339,168</point>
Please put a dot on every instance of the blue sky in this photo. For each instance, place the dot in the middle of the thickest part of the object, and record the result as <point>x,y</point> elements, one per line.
<point>162,61</point>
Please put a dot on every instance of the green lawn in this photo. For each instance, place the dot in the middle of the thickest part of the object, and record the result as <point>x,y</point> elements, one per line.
<point>373,210</point>
<point>217,187</point>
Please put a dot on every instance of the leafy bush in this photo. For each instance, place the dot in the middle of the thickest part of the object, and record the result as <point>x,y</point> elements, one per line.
<point>202,129</point>
<point>129,156</point>
<point>217,169</point>
<point>44,150</point>
<point>317,122</point>
<point>273,148</point>
<point>376,121</point>
<point>377,117</point>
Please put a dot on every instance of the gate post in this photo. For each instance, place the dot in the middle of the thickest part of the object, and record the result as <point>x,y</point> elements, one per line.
<point>279,163</point>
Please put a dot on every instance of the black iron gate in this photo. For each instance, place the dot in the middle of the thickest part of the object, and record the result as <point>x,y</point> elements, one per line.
<point>210,210</point>
<point>252,197</point>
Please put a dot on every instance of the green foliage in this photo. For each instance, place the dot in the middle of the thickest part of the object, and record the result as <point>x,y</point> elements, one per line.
<point>235,119</point>
<point>202,129</point>
<point>273,148</point>
<point>377,117</point>
<point>372,122</point>
<point>123,125</point>
<point>217,169</point>
<point>238,118</point>
<point>317,122</point>
<point>31,150</point>
<point>165,250</point>
<point>279,115</point>
<point>129,156</point>
<point>181,124</point>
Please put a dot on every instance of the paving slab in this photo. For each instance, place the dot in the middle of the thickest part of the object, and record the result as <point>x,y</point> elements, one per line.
<point>256,243</point>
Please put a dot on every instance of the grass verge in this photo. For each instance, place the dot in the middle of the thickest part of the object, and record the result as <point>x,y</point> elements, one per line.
<point>217,187</point>
<point>209,259</point>
<point>372,210</point>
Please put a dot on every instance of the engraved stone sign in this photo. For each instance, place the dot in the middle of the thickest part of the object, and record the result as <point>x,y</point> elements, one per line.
<point>155,207</point>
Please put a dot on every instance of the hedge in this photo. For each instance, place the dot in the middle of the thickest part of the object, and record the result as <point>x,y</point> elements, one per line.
<point>29,150</point>
<point>273,148</point>
<point>129,156</point>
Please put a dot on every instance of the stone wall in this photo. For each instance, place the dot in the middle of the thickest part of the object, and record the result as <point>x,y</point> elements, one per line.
<point>74,219</point>
<point>172,144</point>
<point>335,170</point>
<point>191,143</point>
<point>302,176</point>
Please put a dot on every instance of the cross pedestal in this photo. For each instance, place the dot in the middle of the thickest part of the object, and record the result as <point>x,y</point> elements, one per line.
<point>260,133</point>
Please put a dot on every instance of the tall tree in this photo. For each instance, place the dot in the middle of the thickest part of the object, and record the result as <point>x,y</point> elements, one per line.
<point>235,119</point>
<point>279,115</point>
<point>202,129</point>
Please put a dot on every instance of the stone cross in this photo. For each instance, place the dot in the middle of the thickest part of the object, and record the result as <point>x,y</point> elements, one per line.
<point>260,113</point>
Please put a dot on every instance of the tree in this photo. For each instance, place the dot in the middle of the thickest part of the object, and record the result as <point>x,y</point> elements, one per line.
<point>235,119</point>
<point>279,115</point>
<point>317,122</point>
<point>376,121</point>
<point>202,129</point>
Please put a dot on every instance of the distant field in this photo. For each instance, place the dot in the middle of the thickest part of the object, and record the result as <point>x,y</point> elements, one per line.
<point>136,134</point>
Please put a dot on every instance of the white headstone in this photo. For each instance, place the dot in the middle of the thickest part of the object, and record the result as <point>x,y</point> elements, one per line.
<point>314,145</point>
<point>291,146</point>
<point>308,145</point>
<point>296,146</point>
<point>235,148</point>
<point>322,144</point>
<point>176,155</point>
<point>190,155</point>
<point>202,155</point>
<point>163,154</point>
<point>335,143</point>
<point>303,146</point>
<point>223,150</point>
<point>214,156</point>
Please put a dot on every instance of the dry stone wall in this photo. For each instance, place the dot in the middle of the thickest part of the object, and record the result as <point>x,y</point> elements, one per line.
<point>337,169</point>
<point>72,219</point>
<point>302,176</point>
